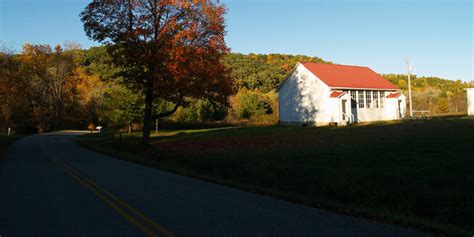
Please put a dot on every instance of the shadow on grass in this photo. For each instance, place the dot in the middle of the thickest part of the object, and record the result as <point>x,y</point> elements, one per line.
<point>417,172</point>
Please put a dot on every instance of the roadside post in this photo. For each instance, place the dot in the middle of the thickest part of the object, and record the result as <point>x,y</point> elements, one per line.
<point>410,69</point>
<point>9,131</point>
<point>99,128</point>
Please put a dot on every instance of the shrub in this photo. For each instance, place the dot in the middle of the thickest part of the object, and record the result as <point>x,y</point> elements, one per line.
<point>249,104</point>
<point>200,111</point>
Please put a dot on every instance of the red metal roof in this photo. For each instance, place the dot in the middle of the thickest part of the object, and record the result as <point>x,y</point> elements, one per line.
<point>394,95</point>
<point>343,76</point>
<point>336,94</point>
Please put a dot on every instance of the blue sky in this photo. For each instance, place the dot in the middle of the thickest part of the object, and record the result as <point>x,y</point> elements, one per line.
<point>436,35</point>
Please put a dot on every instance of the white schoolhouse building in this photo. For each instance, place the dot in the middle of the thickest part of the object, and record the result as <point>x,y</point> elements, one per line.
<point>470,101</point>
<point>317,94</point>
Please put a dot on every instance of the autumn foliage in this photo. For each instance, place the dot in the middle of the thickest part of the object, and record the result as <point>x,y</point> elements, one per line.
<point>38,88</point>
<point>170,49</point>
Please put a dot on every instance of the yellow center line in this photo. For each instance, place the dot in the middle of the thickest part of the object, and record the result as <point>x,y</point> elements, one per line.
<point>113,201</point>
<point>123,213</point>
<point>162,229</point>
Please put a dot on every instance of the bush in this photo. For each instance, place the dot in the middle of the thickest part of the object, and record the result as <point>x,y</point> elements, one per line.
<point>442,106</point>
<point>200,111</point>
<point>251,104</point>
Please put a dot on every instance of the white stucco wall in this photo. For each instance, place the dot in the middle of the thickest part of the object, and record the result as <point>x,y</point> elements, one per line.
<point>373,114</point>
<point>470,101</point>
<point>390,111</point>
<point>304,98</point>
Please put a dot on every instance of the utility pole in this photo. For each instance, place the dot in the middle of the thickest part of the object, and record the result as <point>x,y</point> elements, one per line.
<point>409,88</point>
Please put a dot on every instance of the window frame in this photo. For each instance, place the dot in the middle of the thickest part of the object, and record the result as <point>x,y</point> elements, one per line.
<point>376,99</point>
<point>382,99</point>
<point>361,99</point>
<point>368,99</point>
<point>353,95</point>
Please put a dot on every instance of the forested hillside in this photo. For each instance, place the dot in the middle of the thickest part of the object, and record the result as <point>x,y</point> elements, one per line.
<point>263,72</point>
<point>44,88</point>
<point>439,96</point>
<point>258,76</point>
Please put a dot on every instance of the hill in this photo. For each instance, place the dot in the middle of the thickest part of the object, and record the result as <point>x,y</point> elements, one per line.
<point>263,73</point>
<point>45,88</point>
<point>440,96</point>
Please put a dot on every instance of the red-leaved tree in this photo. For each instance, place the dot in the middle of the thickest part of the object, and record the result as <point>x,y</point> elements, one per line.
<point>169,50</point>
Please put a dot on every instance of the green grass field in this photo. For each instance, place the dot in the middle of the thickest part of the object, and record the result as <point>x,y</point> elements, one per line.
<point>415,173</point>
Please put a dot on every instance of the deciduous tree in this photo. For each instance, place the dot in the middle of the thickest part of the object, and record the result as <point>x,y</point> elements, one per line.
<point>169,49</point>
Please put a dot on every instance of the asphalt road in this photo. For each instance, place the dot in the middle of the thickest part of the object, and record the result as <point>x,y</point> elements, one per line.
<point>49,186</point>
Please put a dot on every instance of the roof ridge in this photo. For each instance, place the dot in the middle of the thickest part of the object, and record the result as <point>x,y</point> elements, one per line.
<point>336,64</point>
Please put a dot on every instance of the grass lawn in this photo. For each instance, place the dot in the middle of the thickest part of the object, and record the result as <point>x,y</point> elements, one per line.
<point>415,173</point>
<point>4,142</point>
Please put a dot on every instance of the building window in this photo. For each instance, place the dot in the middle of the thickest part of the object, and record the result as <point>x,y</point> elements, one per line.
<point>368,99</point>
<point>382,98</point>
<point>353,99</point>
<point>361,100</point>
<point>354,95</point>
<point>376,99</point>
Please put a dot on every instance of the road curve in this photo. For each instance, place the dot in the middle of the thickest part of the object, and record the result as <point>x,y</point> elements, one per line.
<point>50,186</point>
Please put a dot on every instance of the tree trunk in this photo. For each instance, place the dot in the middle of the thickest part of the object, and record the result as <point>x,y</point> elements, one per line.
<point>148,112</point>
